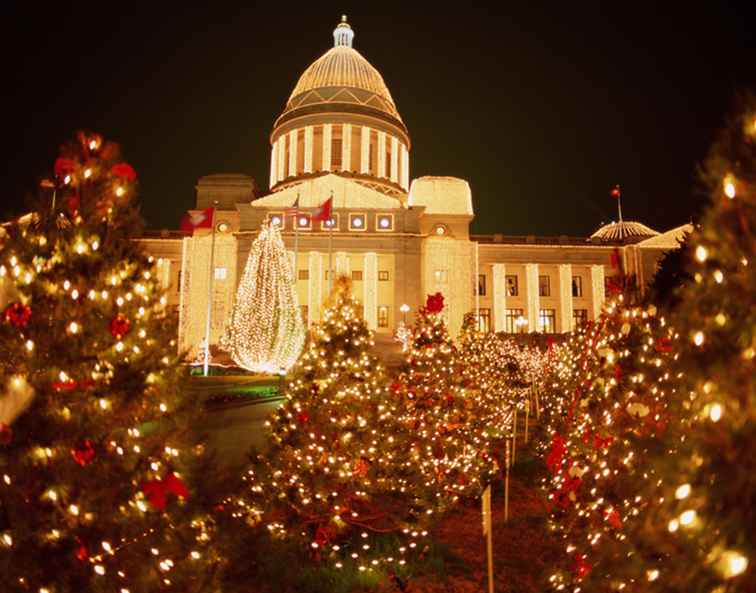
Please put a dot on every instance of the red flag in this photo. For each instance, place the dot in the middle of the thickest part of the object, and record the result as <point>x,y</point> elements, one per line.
<point>323,213</point>
<point>198,220</point>
<point>616,192</point>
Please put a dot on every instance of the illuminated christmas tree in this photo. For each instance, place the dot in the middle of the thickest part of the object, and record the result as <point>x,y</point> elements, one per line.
<point>335,475</point>
<point>616,385</point>
<point>448,443</point>
<point>94,449</point>
<point>266,332</point>
<point>701,533</point>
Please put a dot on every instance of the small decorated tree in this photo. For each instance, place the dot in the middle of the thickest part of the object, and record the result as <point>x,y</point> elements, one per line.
<point>95,449</point>
<point>266,333</point>
<point>335,475</point>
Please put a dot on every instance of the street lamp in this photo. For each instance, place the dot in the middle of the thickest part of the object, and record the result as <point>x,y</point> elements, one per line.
<point>404,309</point>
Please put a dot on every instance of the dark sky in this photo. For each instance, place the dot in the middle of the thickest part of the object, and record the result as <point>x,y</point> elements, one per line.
<point>543,110</point>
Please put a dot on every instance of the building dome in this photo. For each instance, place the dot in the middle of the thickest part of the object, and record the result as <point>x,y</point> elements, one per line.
<point>623,232</point>
<point>342,107</point>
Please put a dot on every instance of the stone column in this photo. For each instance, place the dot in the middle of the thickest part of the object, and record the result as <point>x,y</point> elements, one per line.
<point>394,160</point>
<point>405,168</point>
<point>597,290</point>
<point>281,158</point>
<point>534,299</point>
<point>565,298</point>
<point>341,264</point>
<point>499,296</point>
<point>309,145</point>
<point>370,284</point>
<point>293,150</point>
<point>365,153</point>
<point>314,287</point>
<point>327,142</point>
<point>273,164</point>
<point>346,147</point>
<point>382,155</point>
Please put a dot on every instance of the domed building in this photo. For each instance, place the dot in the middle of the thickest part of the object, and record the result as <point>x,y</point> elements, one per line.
<point>341,137</point>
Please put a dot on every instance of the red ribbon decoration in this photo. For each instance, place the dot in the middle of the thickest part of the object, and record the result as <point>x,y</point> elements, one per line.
<point>18,315</point>
<point>124,171</point>
<point>157,491</point>
<point>64,167</point>
<point>435,303</point>
<point>614,520</point>
<point>664,345</point>
<point>558,449</point>
<point>85,454</point>
<point>120,326</point>
<point>582,566</point>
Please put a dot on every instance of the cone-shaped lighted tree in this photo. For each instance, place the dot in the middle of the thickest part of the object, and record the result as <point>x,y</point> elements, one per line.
<point>701,535</point>
<point>448,446</point>
<point>337,466</point>
<point>616,393</point>
<point>94,473</point>
<point>266,332</point>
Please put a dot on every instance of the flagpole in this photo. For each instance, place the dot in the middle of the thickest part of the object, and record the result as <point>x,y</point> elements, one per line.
<point>296,243</point>
<point>619,203</point>
<point>206,368</point>
<point>330,249</point>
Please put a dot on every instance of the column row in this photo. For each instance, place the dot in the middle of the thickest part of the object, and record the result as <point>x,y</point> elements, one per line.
<point>340,147</point>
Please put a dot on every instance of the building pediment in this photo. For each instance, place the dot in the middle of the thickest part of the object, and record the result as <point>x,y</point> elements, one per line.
<point>347,194</point>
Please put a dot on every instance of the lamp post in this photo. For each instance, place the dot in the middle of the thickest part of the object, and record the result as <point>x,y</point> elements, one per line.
<point>404,309</point>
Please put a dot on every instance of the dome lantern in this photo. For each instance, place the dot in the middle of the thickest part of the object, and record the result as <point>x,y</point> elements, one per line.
<point>343,34</point>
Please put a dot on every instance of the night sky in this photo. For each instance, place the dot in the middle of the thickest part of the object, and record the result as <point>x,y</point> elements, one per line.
<point>542,111</point>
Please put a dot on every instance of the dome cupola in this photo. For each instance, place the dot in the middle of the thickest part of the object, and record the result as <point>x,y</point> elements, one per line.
<point>341,118</point>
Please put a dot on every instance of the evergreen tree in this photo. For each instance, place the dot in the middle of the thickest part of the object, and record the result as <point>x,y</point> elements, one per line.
<point>266,333</point>
<point>701,533</point>
<point>335,476</point>
<point>95,452</point>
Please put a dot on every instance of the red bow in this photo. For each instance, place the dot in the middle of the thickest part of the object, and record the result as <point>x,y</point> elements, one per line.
<point>554,460</point>
<point>125,171</point>
<point>435,303</point>
<point>613,518</point>
<point>18,314</point>
<point>64,167</point>
<point>157,491</point>
<point>119,326</point>
<point>582,566</point>
<point>664,345</point>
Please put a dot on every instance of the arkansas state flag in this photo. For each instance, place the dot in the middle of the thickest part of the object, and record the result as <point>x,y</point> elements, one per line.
<point>198,220</point>
<point>616,192</point>
<point>323,213</point>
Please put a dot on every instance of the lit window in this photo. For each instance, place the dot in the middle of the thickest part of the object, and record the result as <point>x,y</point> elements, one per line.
<point>304,274</point>
<point>544,286</point>
<point>332,224</point>
<point>441,276</point>
<point>276,220</point>
<point>221,273</point>
<point>484,320</point>
<point>304,222</point>
<point>579,317</point>
<point>357,222</point>
<point>482,285</point>
<point>577,286</point>
<point>383,316</point>
<point>383,276</point>
<point>385,222</point>
<point>305,313</point>
<point>512,287</point>
<point>357,275</point>
<point>513,321</point>
<point>547,321</point>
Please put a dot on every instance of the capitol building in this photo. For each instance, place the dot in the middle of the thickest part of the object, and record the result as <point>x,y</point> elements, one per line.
<point>341,135</point>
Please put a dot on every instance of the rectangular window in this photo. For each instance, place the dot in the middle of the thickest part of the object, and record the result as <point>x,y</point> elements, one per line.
<point>336,153</point>
<point>383,276</point>
<point>178,282</point>
<point>577,286</point>
<point>371,159</point>
<point>547,321</point>
<point>482,285</point>
<point>441,276</point>
<point>388,164</point>
<point>357,275</point>
<point>383,316</point>
<point>513,321</point>
<point>304,274</point>
<point>221,273</point>
<point>513,289</point>
<point>305,313</point>
<point>484,320</point>
<point>579,317</point>
<point>544,286</point>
